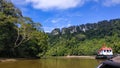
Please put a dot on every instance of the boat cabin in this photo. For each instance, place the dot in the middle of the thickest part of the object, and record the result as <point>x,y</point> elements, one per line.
<point>105,51</point>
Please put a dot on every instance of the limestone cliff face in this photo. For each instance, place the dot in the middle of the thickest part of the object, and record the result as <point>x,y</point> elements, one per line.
<point>85,28</point>
<point>64,31</point>
<point>56,31</point>
<point>71,30</point>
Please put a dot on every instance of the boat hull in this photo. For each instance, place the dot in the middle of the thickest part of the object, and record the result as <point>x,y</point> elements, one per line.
<point>109,64</point>
<point>104,56</point>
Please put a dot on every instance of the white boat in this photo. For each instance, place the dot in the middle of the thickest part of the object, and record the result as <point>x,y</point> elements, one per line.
<point>104,53</point>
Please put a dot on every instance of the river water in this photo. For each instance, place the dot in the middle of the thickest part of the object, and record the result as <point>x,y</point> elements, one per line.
<point>52,63</point>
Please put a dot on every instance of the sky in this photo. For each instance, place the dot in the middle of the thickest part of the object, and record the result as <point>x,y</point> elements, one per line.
<point>64,13</point>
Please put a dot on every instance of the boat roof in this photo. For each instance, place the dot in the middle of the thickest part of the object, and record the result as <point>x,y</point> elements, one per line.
<point>105,48</point>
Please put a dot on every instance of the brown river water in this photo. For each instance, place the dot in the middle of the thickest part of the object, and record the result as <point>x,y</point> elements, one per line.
<point>52,63</point>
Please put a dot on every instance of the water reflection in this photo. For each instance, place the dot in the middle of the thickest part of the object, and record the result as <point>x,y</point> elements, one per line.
<point>52,63</point>
<point>100,60</point>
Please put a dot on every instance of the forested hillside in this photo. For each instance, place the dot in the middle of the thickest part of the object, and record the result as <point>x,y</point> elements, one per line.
<point>23,38</point>
<point>85,39</point>
<point>19,35</point>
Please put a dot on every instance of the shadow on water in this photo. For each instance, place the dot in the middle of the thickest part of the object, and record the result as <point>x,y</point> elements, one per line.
<point>53,63</point>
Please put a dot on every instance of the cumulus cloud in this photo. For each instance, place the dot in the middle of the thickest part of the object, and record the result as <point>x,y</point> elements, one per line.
<point>55,4</point>
<point>111,2</point>
<point>62,4</point>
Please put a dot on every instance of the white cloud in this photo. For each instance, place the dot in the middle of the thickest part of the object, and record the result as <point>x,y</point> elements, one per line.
<point>61,4</point>
<point>111,2</point>
<point>57,20</point>
<point>60,20</point>
<point>48,29</point>
<point>55,4</point>
<point>54,21</point>
<point>68,25</point>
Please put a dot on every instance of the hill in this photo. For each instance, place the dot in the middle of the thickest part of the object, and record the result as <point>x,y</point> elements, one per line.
<point>85,39</point>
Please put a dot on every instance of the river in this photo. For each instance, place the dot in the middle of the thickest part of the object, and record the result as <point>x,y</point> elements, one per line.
<point>52,63</point>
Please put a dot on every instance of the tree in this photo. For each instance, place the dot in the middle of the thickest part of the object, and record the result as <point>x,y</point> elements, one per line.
<point>19,36</point>
<point>25,31</point>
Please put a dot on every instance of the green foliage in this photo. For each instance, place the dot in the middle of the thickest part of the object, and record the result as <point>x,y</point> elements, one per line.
<point>22,37</point>
<point>19,36</point>
<point>85,39</point>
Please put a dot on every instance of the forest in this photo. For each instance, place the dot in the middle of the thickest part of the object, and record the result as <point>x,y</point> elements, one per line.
<point>85,39</point>
<point>21,37</point>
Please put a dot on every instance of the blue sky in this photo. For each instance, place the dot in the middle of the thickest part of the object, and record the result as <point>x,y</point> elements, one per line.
<point>64,13</point>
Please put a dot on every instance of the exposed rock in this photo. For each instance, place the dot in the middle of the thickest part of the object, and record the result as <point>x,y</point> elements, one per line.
<point>56,31</point>
<point>72,29</point>
<point>65,31</point>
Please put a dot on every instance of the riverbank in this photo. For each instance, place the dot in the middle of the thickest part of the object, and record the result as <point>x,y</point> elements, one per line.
<point>15,59</point>
<point>65,57</point>
<point>7,60</point>
<point>85,57</point>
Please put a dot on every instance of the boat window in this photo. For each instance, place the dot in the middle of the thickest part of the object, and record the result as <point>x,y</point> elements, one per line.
<point>107,50</point>
<point>104,50</point>
<point>110,50</point>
